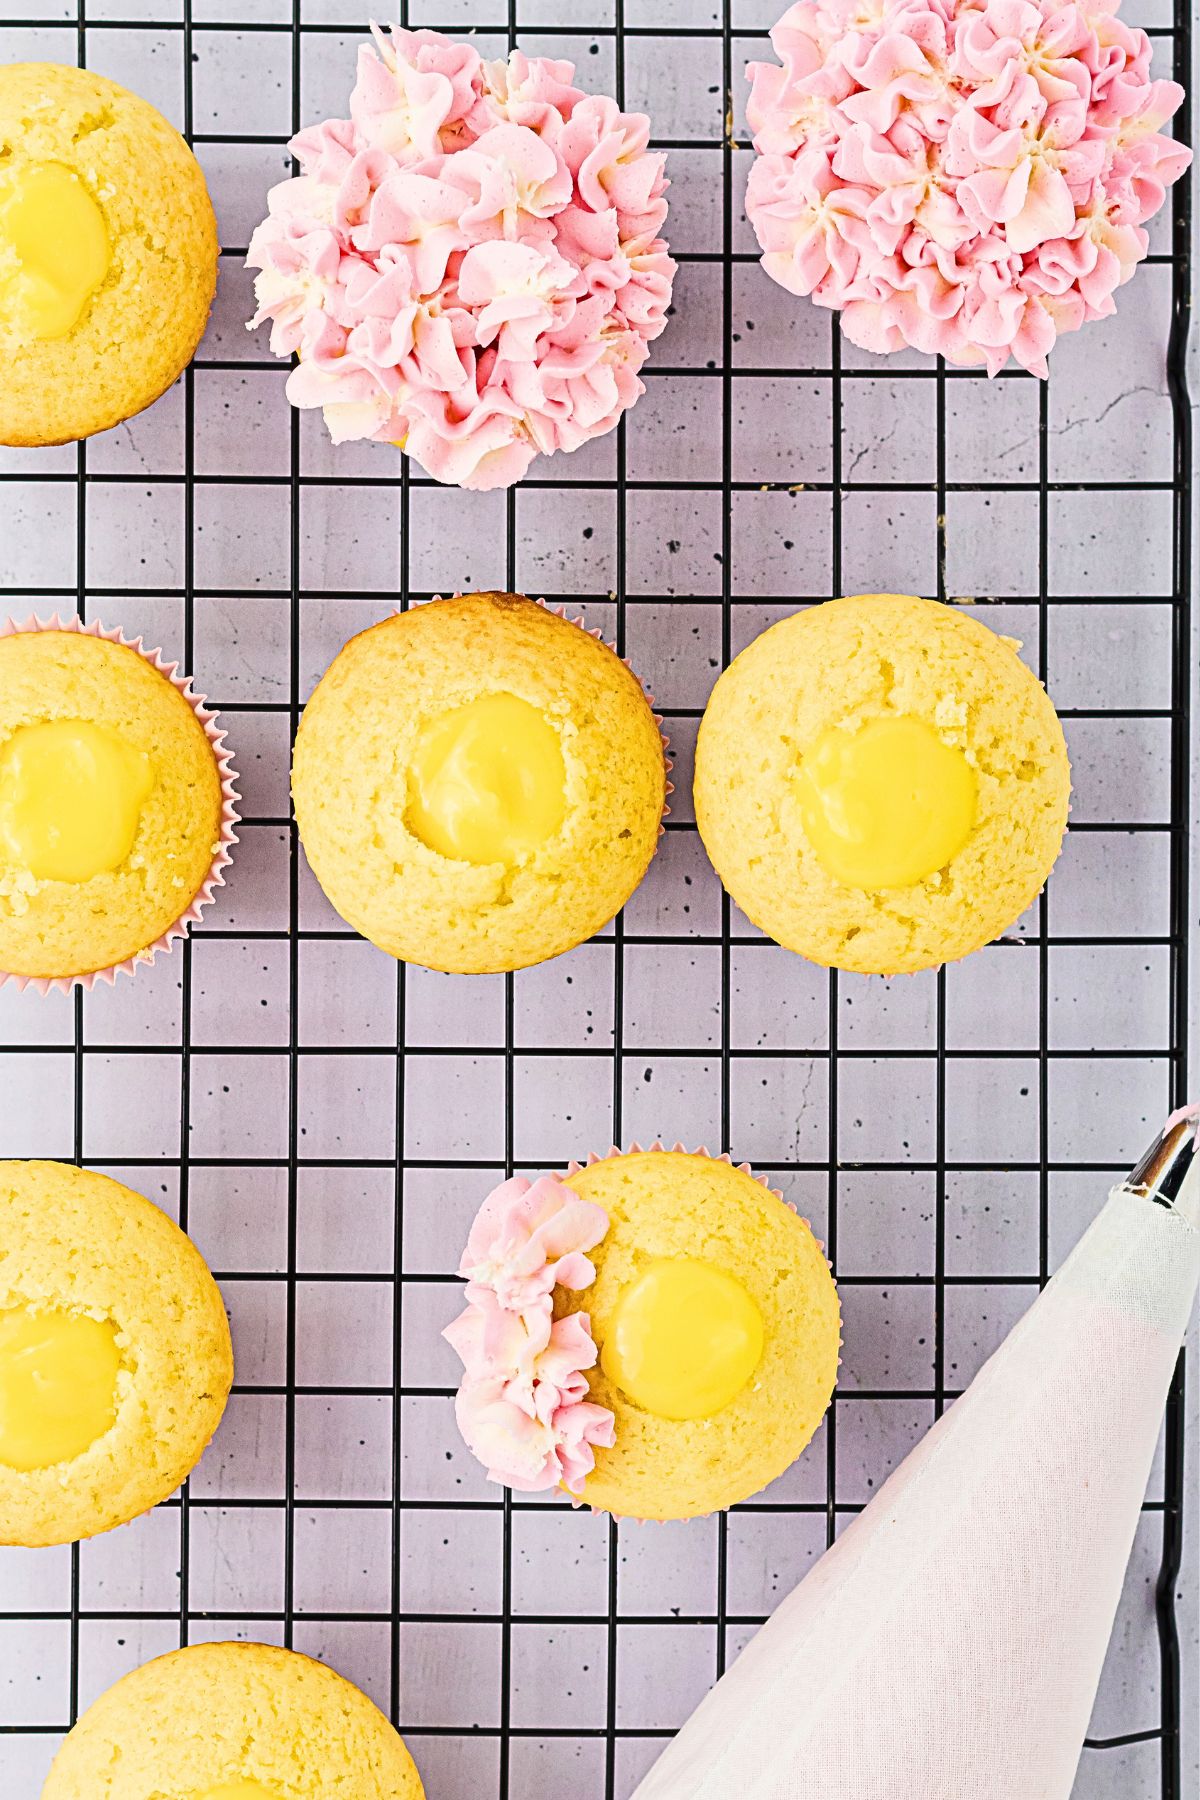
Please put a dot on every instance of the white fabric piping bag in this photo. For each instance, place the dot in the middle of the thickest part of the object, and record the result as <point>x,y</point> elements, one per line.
<point>949,1645</point>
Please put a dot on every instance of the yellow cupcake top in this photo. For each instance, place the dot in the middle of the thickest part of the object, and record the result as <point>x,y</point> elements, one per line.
<point>717,1324</point>
<point>881,783</point>
<point>110,803</point>
<point>478,783</point>
<point>115,1359</point>
<point>108,253</point>
<point>231,1721</point>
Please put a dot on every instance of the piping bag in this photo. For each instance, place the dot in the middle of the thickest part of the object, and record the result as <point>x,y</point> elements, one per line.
<point>948,1646</point>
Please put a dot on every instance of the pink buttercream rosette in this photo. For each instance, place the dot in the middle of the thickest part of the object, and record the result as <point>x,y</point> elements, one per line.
<point>470,265</point>
<point>522,1405</point>
<point>227,832</point>
<point>967,177</point>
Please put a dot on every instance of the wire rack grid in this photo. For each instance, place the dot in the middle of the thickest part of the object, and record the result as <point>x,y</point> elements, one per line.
<point>324,1124</point>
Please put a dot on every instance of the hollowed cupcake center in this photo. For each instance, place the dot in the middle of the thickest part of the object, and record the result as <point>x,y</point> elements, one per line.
<point>239,1790</point>
<point>58,1385</point>
<point>487,782</point>
<point>71,795</point>
<point>685,1339</point>
<point>54,248</point>
<point>886,804</point>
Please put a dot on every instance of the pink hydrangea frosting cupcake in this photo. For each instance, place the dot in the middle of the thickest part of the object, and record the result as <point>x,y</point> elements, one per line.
<point>470,265</point>
<point>967,177</point>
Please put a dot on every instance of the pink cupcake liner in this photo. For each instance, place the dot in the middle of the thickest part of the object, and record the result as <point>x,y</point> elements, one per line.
<point>594,631</point>
<point>230,817</point>
<point>744,1168</point>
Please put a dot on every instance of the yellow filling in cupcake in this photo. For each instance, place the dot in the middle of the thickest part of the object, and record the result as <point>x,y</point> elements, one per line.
<point>58,1385</point>
<point>487,782</point>
<point>54,248</point>
<point>685,1339</point>
<point>71,796</point>
<point>887,804</point>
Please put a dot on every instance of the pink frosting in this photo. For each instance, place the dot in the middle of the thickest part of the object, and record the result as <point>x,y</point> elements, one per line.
<point>522,1404</point>
<point>470,264</point>
<point>968,177</point>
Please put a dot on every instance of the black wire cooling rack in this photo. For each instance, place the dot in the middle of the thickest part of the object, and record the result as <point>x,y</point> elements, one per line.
<point>602,1740</point>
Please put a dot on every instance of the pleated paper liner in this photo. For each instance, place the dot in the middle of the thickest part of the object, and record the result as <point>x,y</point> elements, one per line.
<point>227,834</point>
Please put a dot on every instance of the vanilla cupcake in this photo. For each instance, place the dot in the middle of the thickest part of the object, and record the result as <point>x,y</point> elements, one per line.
<point>108,253</point>
<point>233,1722</point>
<point>115,1359</point>
<point>117,803</point>
<point>479,783</point>
<point>656,1334</point>
<point>881,783</point>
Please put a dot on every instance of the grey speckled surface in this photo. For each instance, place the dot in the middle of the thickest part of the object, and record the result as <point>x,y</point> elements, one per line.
<point>1108,648</point>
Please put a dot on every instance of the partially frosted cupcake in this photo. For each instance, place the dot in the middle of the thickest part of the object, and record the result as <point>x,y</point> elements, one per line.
<point>881,783</point>
<point>479,783</point>
<point>117,803</point>
<point>470,265</point>
<point>656,1334</point>
<point>115,1359</point>
<point>108,253</point>
<point>233,1722</point>
<point>966,177</point>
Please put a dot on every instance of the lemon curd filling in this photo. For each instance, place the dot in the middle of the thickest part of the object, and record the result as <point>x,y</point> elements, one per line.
<point>887,804</point>
<point>71,796</point>
<point>685,1339</point>
<point>239,1790</point>
<point>487,782</point>
<point>54,248</point>
<point>58,1385</point>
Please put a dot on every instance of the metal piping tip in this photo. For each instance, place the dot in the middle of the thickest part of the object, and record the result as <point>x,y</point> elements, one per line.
<point>1169,1172</point>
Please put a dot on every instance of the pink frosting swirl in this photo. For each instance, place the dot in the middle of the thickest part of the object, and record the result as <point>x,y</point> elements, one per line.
<point>470,265</point>
<point>522,1404</point>
<point>966,177</point>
